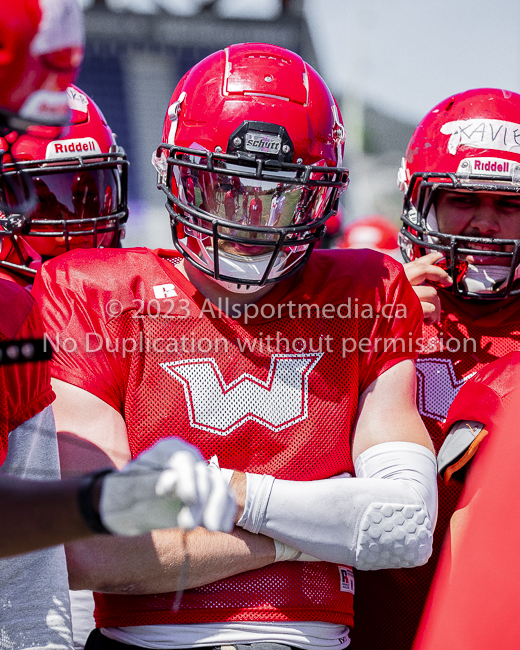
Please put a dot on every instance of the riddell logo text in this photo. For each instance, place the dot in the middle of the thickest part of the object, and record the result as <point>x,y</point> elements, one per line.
<point>490,166</point>
<point>64,148</point>
<point>78,146</point>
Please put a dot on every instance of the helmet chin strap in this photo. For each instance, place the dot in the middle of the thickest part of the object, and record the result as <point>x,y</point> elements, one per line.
<point>483,278</point>
<point>486,278</point>
<point>249,268</point>
<point>239,288</point>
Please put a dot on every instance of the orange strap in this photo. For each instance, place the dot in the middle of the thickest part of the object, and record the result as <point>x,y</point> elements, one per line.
<point>463,460</point>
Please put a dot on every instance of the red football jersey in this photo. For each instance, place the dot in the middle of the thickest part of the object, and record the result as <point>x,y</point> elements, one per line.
<point>25,389</point>
<point>389,603</point>
<point>484,565</point>
<point>272,391</point>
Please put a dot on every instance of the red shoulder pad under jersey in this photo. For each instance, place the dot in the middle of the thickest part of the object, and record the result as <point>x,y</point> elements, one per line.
<point>79,293</point>
<point>484,396</point>
<point>373,287</point>
<point>26,388</point>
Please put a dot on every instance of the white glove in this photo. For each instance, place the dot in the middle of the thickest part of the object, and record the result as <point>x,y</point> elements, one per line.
<point>227,474</point>
<point>167,486</point>
<point>286,553</point>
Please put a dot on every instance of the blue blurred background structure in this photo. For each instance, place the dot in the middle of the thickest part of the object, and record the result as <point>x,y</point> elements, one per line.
<point>387,61</point>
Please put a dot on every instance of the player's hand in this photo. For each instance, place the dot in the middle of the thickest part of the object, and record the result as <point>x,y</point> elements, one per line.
<point>425,276</point>
<point>168,486</point>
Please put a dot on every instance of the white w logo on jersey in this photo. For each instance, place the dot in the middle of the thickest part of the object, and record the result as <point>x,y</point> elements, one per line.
<point>437,387</point>
<point>215,406</point>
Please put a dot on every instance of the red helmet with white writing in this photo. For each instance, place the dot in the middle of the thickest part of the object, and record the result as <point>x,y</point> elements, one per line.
<point>41,49</point>
<point>252,141</point>
<point>468,143</point>
<point>80,180</point>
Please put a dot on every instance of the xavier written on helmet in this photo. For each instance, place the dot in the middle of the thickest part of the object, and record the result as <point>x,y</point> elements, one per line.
<point>252,144</point>
<point>80,182</point>
<point>470,142</point>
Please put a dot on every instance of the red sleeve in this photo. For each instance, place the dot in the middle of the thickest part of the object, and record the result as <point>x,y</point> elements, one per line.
<point>26,388</point>
<point>74,318</point>
<point>394,333</point>
<point>473,601</point>
<point>484,397</point>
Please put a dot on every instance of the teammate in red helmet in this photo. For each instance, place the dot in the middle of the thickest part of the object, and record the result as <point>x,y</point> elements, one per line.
<point>262,351</point>
<point>80,182</point>
<point>461,238</point>
<point>41,43</point>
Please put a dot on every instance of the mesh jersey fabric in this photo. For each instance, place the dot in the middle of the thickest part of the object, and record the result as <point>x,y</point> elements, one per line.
<point>286,410</point>
<point>25,389</point>
<point>389,603</point>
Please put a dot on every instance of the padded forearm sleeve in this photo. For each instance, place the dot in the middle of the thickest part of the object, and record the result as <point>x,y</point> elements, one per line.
<point>383,518</point>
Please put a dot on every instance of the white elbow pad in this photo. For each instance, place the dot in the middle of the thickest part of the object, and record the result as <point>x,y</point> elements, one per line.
<point>398,533</point>
<point>384,518</point>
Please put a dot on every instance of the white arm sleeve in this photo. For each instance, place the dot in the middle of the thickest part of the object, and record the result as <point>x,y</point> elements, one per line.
<point>383,518</point>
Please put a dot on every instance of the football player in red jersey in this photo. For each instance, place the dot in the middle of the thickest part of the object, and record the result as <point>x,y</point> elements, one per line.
<point>290,368</point>
<point>461,239</point>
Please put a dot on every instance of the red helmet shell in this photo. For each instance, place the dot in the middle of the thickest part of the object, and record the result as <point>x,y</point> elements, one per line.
<point>41,49</point>
<point>80,182</point>
<point>373,232</point>
<point>256,82</point>
<point>478,128</point>
<point>88,133</point>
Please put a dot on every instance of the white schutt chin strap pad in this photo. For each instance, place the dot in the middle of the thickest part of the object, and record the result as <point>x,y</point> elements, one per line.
<point>383,518</point>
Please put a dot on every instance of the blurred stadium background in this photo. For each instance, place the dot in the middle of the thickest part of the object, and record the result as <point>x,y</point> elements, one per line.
<point>387,62</point>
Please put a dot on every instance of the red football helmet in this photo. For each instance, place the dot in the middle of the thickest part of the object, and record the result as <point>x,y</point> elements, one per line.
<point>252,141</point>
<point>375,232</point>
<point>469,142</point>
<point>80,180</point>
<point>41,49</point>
